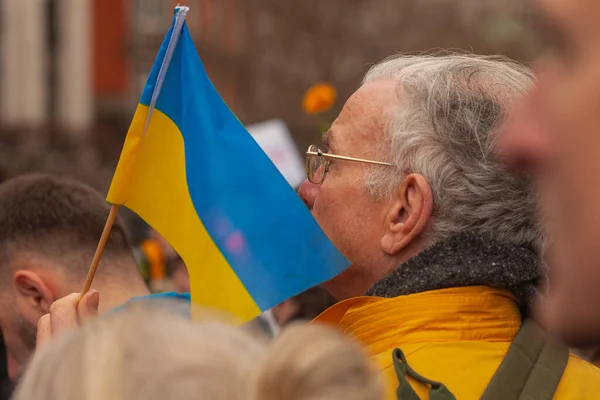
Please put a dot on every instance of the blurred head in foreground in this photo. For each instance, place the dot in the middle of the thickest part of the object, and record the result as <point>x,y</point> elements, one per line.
<point>555,136</point>
<point>153,353</point>
<point>49,230</point>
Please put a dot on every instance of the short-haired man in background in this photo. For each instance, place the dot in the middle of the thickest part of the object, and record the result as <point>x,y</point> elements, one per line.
<point>49,230</point>
<point>437,229</point>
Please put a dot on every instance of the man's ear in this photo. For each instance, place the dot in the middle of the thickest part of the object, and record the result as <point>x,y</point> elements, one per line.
<point>407,215</point>
<point>33,290</point>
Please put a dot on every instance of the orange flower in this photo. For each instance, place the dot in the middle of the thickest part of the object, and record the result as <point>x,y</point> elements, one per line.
<point>319,98</point>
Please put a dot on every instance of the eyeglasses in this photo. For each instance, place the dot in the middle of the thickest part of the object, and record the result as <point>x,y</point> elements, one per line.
<point>318,163</point>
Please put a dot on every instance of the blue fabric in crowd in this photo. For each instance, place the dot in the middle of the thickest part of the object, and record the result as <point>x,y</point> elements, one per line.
<point>183,297</point>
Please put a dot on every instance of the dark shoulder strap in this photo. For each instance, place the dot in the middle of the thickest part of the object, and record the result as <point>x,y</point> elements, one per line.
<point>532,367</point>
<point>437,390</point>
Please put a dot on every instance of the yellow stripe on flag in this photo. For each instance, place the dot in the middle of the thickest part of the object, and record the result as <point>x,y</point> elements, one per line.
<point>151,180</point>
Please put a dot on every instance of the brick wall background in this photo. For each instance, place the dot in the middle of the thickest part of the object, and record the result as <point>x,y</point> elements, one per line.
<point>261,55</point>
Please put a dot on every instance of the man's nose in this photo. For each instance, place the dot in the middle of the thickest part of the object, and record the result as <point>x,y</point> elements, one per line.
<point>308,192</point>
<point>524,141</point>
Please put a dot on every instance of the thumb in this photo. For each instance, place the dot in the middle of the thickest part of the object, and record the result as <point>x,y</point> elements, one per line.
<point>88,306</point>
<point>44,330</point>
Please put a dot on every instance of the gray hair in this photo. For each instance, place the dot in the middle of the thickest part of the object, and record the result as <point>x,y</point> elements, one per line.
<point>450,110</point>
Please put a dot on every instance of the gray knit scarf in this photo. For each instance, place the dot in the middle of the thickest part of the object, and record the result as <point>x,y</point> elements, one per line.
<point>466,259</point>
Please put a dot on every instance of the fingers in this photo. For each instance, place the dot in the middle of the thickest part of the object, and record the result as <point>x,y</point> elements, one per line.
<point>67,313</point>
<point>87,308</point>
<point>63,314</point>
<point>44,332</point>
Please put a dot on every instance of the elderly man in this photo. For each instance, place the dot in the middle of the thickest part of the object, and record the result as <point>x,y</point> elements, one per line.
<point>440,235</point>
<point>555,136</point>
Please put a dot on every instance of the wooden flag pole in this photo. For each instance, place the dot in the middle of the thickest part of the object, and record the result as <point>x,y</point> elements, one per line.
<point>177,28</point>
<point>110,220</point>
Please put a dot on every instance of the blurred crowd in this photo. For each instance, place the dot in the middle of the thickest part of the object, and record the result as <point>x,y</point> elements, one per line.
<point>461,188</point>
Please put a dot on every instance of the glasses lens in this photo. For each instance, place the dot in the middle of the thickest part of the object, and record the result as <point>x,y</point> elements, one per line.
<point>315,170</point>
<point>313,164</point>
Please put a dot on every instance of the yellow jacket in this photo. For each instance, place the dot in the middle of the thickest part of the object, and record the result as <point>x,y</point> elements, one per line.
<point>455,336</point>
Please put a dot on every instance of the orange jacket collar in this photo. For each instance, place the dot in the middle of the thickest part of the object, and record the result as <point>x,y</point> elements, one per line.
<point>467,313</point>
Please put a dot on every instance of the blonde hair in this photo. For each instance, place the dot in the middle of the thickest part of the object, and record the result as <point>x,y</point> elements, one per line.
<point>154,354</point>
<point>314,363</point>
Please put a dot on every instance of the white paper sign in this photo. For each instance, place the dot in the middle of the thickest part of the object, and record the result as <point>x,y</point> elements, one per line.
<point>276,141</point>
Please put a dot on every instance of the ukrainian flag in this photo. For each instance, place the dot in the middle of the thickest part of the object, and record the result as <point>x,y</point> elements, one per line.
<point>191,170</point>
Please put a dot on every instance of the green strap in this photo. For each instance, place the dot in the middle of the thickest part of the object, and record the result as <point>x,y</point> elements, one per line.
<point>532,367</point>
<point>437,390</point>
